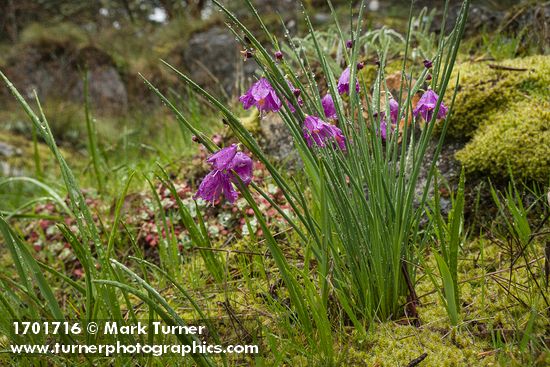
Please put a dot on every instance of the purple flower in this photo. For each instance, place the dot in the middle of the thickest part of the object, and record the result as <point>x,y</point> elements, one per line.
<point>338,136</point>
<point>227,163</point>
<point>394,110</point>
<point>328,107</point>
<point>213,185</point>
<point>349,43</point>
<point>242,166</point>
<point>428,63</point>
<point>318,132</point>
<point>222,159</point>
<point>343,82</point>
<point>426,106</point>
<point>394,114</point>
<point>278,55</point>
<point>263,96</point>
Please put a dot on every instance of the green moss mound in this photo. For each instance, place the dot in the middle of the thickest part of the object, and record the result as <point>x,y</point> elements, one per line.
<point>486,89</point>
<point>517,137</point>
<point>390,344</point>
<point>504,109</point>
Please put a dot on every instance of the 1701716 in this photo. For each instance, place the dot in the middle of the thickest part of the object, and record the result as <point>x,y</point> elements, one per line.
<point>46,327</point>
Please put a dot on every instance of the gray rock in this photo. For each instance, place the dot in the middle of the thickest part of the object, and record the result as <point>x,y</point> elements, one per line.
<point>7,151</point>
<point>55,71</point>
<point>7,170</point>
<point>277,141</point>
<point>212,59</point>
<point>106,88</point>
<point>286,9</point>
<point>277,6</point>
<point>448,168</point>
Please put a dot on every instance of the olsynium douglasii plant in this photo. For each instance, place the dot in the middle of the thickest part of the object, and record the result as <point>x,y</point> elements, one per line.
<point>358,214</point>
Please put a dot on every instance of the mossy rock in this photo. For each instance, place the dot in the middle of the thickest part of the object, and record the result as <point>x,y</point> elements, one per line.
<point>517,137</point>
<point>503,110</point>
<point>485,89</point>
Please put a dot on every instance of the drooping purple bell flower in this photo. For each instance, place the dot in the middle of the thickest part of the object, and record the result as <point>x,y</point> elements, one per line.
<point>394,114</point>
<point>317,132</point>
<point>221,160</point>
<point>349,43</point>
<point>426,106</point>
<point>242,166</point>
<point>263,96</point>
<point>343,82</point>
<point>227,163</point>
<point>394,110</point>
<point>213,185</point>
<point>328,107</point>
<point>428,63</point>
<point>278,55</point>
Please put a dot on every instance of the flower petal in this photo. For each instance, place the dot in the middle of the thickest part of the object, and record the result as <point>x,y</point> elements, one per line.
<point>242,165</point>
<point>426,106</point>
<point>221,160</point>
<point>328,107</point>
<point>344,80</point>
<point>210,187</point>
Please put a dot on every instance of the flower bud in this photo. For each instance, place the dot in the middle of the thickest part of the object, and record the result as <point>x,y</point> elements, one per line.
<point>360,65</point>
<point>349,43</point>
<point>279,55</point>
<point>428,63</point>
<point>247,54</point>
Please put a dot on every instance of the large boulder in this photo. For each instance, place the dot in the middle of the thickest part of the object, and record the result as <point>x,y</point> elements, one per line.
<point>106,86</point>
<point>55,69</point>
<point>212,60</point>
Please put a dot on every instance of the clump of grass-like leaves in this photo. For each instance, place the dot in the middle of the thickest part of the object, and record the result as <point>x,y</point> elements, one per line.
<point>358,213</point>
